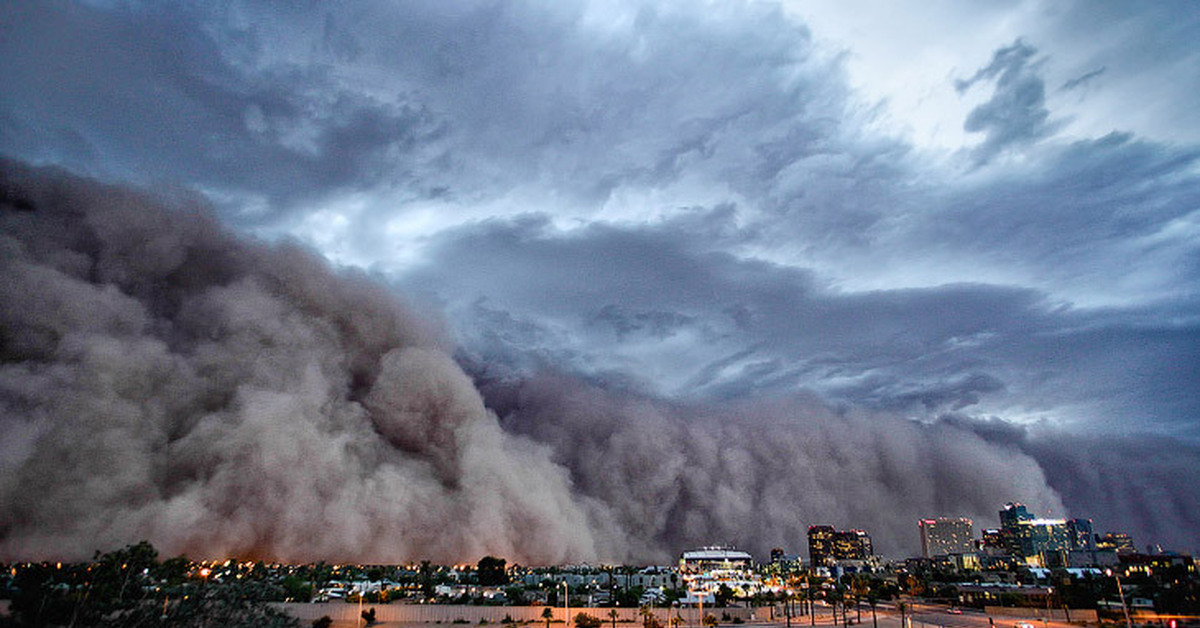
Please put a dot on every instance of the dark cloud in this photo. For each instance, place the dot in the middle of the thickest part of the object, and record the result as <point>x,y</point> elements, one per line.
<point>1016,113</point>
<point>691,207</point>
<point>162,379</point>
<point>571,105</point>
<point>145,92</point>
<point>679,475</point>
<point>585,301</point>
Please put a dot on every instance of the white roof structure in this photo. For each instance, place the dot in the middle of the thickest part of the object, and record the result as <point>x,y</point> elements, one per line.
<point>716,554</point>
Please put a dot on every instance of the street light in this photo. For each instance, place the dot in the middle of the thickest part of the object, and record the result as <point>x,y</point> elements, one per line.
<point>566,604</point>
<point>1121,592</point>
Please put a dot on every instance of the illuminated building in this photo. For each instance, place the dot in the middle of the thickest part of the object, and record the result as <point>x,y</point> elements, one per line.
<point>852,545</point>
<point>1079,533</point>
<point>1118,541</point>
<point>1024,536</point>
<point>827,545</point>
<point>1013,514</point>
<point>946,535</point>
<point>991,541</point>
<point>710,558</point>
<point>820,545</point>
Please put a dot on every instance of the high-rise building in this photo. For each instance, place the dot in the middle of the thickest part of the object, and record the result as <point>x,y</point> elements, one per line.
<point>826,545</point>
<point>1024,536</point>
<point>1013,514</point>
<point>852,545</point>
<point>945,536</point>
<point>1080,534</point>
<point>820,545</point>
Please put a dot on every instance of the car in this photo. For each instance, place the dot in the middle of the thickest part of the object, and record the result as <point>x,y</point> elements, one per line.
<point>954,611</point>
<point>1024,624</point>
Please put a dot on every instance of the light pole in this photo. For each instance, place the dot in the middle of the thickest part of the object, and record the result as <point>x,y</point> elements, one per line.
<point>1121,592</point>
<point>566,604</point>
<point>787,605</point>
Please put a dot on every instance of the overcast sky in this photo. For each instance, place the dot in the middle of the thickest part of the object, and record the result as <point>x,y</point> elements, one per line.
<point>982,212</point>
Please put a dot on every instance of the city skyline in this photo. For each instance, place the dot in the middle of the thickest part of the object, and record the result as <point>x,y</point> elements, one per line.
<point>594,280</point>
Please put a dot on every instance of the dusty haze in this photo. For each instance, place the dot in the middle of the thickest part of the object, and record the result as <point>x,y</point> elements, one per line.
<point>164,379</point>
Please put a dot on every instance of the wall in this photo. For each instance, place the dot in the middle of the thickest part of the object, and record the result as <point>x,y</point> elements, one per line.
<point>1057,614</point>
<point>448,614</point>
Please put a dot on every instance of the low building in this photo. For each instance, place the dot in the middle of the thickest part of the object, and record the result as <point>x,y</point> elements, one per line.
<point>994,593</point>
<point>715,558</point>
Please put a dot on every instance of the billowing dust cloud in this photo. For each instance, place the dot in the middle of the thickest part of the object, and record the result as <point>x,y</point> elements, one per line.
<point>163,379</point>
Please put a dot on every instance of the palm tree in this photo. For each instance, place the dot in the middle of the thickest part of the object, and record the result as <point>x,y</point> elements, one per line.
<point>547,614</point>
<point>648,618</point>
<point>861,586</point>
<point>612,614</point>
<point>872,600</point>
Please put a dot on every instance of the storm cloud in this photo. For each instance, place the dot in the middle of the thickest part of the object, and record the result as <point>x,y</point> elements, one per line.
<point>794,219</point>
<point>162,379</point>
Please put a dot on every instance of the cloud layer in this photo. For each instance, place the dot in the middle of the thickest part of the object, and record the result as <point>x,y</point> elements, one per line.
<point>933,219</point>
<point>163,380</point>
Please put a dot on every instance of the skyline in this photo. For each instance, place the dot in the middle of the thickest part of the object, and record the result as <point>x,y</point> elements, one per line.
<point>631,275</point>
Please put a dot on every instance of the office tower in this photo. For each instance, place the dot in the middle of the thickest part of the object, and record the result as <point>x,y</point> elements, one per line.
<point>820,545</point>
<point>946,535</point>
<point>1080,533</point>
<point>852,545</point>
<point>1013,514</point>
<point>1024,536</point>
<point>827,545</point>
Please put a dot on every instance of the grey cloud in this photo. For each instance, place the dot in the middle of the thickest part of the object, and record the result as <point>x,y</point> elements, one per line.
<point>957,393</point>
<point>1016,113</point>
<point>1083,215</point>
<point>677,475</point>
<point>1083,79</point>
<point>162,379</point>
<point>755,328</point>
<point>463,104</point>
<point>659,324</point>
<point>1148,57</point>
<point>149,93</point>
<point>1139,484</point>
<point>618,176</point>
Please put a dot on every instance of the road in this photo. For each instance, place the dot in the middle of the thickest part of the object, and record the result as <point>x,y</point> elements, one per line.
<point>925,616</point>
